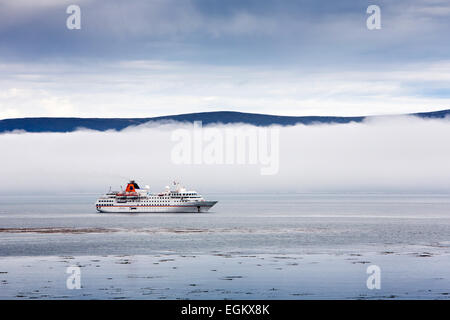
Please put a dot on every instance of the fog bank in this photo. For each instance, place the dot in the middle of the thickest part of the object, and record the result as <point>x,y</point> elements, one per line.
<point>395,154</point>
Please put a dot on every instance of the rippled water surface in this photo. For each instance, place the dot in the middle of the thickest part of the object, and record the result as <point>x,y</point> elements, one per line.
<point>254,242</point>
<point>69,224</point>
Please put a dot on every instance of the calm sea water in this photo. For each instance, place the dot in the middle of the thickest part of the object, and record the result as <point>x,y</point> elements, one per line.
<point>258,223</point>
<point>250,246</point>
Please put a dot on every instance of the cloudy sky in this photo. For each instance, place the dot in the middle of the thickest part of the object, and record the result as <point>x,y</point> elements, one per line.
<point>146,58</point>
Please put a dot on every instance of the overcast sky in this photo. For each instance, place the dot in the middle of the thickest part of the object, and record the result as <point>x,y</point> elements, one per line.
<point>146,58</point>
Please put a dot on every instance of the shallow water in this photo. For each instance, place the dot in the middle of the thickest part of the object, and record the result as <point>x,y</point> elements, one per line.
<point>339,235</point>
<point>226,276</point>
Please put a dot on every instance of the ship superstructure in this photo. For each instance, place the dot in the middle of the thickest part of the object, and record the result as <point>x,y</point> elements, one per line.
<point>135,199</point>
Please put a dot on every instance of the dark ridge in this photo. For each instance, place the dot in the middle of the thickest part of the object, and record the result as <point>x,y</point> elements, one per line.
<point>224,117</point>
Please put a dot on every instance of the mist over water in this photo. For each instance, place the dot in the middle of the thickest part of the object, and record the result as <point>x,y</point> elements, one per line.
<point>401,154</point>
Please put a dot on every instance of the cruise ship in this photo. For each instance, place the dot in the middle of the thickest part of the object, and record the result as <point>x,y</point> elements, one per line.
<point>137,200</point>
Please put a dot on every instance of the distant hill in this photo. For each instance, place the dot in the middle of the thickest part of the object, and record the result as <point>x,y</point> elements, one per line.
<point>225,117</point>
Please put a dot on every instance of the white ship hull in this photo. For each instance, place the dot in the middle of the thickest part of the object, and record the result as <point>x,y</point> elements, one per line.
<point>193,207</point>
<point>136,200</point>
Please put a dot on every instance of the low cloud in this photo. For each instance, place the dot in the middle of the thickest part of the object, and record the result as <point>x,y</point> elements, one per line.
<point>395,154</point>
